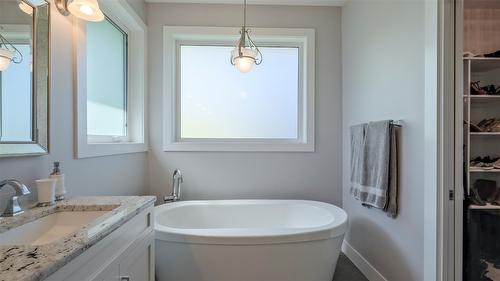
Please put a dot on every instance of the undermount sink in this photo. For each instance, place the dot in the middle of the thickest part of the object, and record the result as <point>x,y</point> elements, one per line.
<point>48,229</point>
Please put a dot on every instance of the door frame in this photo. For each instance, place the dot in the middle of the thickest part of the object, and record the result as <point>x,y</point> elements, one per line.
<point>458,226</point>
<point>442,191</point>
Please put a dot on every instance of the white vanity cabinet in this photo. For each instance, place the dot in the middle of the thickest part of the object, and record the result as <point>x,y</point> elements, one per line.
<point>126,254</point>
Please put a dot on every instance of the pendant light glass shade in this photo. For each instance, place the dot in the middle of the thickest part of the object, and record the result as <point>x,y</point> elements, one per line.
<point>244,62</point>
<point>5,58</point>
<point>85,9</point>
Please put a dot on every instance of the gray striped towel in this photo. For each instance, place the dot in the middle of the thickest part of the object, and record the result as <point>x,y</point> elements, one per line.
<point>374,166</point>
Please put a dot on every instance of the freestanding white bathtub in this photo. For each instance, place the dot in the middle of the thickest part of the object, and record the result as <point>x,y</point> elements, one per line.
<point>248,240</point>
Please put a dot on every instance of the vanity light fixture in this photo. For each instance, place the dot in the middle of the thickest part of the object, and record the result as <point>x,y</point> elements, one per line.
<point>25,7</point>
<point>246,53</point>
<point>8,54</point>
<point>85,9</point>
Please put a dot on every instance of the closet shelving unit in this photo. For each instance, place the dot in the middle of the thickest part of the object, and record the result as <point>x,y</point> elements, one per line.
<point>476,108</point>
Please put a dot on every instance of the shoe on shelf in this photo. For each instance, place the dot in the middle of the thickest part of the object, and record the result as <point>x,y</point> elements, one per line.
<point>497,199</point>
<point>472,55</point>
<point>496,164</point>
<point>494,126</point>
<point>476,89</point>
<point>475,198</point>
<point>486,190</point>
<point>489,162</point>
<point>474,128</point>
<point>495,54</point>
<point>486,125</point>
<point>481,164</point>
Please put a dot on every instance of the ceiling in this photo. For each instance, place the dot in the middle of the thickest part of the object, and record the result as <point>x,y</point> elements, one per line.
<point>259,2</point>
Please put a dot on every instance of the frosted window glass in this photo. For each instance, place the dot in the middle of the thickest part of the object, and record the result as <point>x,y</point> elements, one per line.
<point>16,99</point>
<point>217,101</point>
<point>106,79</point>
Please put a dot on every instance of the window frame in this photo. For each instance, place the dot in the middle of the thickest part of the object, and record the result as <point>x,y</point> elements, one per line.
<point>121,14</point>
<point>176,36</point>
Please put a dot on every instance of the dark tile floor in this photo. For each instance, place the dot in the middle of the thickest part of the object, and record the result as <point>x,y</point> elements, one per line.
<point>347,271</point>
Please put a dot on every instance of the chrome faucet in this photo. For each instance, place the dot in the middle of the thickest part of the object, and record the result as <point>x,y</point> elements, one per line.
<point>176,187</point>
<point>13,208</point>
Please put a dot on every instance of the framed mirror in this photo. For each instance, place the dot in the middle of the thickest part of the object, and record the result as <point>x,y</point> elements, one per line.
<point>24,77</point>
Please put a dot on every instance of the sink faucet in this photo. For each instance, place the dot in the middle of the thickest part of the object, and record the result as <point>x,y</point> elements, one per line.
<point>13,207</point>
<point>176,187</point>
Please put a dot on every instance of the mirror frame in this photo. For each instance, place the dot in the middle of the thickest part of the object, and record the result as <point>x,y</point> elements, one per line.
<point>41,89</point>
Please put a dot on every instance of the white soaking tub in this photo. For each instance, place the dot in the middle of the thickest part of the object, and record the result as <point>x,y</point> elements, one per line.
<point>248,240</point>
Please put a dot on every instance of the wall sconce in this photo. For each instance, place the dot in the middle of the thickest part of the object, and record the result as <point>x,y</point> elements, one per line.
<point>25,7</point>
<point>85,9</point>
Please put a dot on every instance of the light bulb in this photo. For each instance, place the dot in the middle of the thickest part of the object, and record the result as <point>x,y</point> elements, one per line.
<point>244,64</point>
<point>5,58</point>
<point>86,10</point>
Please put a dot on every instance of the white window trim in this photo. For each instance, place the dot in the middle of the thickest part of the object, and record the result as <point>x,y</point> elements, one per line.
<point>302,38</point>
<point>120,12</point>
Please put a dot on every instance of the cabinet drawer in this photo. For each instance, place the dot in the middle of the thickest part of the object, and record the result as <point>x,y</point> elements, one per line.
<point>112,273</point>
<point>137,263</point>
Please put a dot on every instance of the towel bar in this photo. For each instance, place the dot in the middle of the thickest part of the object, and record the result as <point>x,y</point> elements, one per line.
<point>397,123</point>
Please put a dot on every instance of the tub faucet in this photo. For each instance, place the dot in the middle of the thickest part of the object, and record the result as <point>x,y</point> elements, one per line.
<point>13,208</point>
<point>176,187</point>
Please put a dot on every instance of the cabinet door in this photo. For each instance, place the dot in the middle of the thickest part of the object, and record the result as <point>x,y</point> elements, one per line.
<point>138,265</point>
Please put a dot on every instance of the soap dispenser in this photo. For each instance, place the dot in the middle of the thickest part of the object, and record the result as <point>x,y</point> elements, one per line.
<point>59,177</point>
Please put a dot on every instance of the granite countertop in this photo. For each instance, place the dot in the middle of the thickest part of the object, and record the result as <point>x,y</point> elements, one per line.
<point>36,262</point>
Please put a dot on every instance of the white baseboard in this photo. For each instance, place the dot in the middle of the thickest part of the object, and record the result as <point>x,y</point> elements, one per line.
<point>361,263</point>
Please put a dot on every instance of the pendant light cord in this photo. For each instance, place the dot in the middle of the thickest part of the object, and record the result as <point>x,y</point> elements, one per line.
<point>245,14</point>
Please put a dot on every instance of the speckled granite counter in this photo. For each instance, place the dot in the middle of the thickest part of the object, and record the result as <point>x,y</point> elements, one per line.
<point>31,263</point>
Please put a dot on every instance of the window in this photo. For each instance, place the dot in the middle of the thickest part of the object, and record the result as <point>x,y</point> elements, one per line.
<point>111,83</point>
<point>107,91</point>
<point>214,107</point>
<point>211,109</point>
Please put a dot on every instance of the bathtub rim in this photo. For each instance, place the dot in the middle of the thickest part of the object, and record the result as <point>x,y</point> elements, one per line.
<point>335,229</point>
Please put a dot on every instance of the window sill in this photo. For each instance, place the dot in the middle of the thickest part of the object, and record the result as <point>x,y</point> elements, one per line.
<point>239,146</point>
<point>88,150</point>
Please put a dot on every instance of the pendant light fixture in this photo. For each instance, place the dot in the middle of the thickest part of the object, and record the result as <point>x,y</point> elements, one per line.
<point>8,54</point>
<point>246,53</point>
<point>85,9</point>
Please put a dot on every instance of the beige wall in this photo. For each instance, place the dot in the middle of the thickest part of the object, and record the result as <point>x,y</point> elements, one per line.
<point>219,175</point>
<point>139,7</point>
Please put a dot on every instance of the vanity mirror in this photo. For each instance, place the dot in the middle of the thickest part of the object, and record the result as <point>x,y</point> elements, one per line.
<point>24,77</point>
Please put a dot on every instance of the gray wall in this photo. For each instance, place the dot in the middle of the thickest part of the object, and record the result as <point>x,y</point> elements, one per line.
<point>139,7</point>
<point>116,175</point>
<point>213,175</point>
<point>383,78</point>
